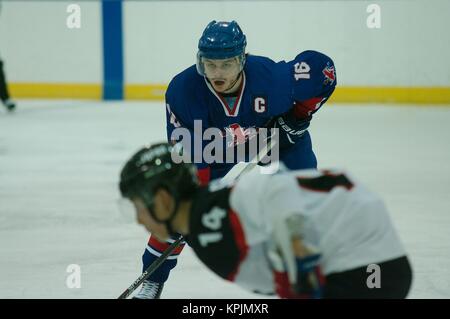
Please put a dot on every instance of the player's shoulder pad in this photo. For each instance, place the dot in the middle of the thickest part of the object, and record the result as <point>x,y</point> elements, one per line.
<point>184,82</point>
<point>212,231</point>
<point>259,60</point>
<point>260,67</point>
<point>314,75</point>
<point>271,80</point>
<point>183,95</point>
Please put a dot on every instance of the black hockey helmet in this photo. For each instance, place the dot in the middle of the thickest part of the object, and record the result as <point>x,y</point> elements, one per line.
<point>158,166</point>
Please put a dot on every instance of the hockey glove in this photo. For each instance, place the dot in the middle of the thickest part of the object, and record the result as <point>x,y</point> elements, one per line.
<point>295,263</point>
<point>310,280</point>
<point>290,129</point>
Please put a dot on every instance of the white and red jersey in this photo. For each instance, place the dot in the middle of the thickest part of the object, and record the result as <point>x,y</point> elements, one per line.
<point>232,227</point>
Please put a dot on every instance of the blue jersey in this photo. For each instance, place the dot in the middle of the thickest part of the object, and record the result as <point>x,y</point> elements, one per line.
<point>268,89</point>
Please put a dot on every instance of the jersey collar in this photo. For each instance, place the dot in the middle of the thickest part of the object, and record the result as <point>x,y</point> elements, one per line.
<point>233,110</point>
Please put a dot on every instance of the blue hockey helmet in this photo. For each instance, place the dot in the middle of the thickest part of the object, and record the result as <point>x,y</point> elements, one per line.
<point>221,40</point>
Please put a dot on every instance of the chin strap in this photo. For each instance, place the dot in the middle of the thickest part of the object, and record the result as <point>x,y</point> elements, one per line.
<point>167,222</point>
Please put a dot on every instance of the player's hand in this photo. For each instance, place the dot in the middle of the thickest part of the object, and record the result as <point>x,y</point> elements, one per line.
<point>309,283</point>
<point>294,260</point>
<point>290,129</point>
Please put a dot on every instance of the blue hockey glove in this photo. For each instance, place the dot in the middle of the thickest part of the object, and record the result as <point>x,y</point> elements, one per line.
<point>310,280</point>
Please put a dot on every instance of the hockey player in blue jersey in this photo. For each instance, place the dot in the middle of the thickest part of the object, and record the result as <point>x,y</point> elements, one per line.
<point>238,93</point>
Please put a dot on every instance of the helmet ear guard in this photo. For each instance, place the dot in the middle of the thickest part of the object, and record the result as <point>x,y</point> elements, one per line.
<point>221,40</point>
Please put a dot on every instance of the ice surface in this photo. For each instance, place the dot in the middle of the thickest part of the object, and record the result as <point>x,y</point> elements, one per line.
<point>59,166</point>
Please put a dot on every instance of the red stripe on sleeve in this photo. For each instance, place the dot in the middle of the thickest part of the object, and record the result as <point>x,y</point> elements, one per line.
<point>161,247</point>
<point>304,109</point>
<point>239,238</point>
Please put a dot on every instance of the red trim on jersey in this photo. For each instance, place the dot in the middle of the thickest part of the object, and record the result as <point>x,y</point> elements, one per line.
<point>161,247</point>
<point>239,238</point>
<point>232,110</point>
<point>204,175</point>
<point>304,109</point>
<point>226,108</point>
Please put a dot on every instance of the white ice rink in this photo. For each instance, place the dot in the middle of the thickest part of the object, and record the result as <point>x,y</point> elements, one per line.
<point>59,166</point>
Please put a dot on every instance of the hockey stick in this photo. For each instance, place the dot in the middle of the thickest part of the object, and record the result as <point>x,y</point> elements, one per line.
<point>244,167</point>
<point>151,269</point>
<point>233,174</point>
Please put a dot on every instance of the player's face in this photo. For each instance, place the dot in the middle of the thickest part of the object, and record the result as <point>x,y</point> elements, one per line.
<point>144,218</point>
<point>222,74</point>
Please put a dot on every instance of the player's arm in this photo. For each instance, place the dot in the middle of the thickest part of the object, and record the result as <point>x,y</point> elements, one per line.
<point>293,242</point>
<point>314,80</point>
